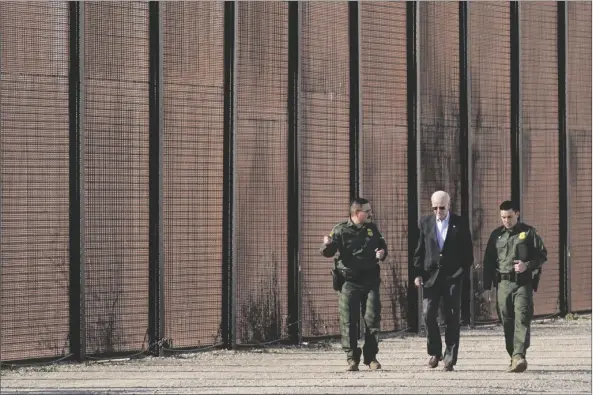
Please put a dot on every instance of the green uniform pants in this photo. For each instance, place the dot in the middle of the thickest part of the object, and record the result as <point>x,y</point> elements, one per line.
<point>353,297</point>
<point>515,307</point>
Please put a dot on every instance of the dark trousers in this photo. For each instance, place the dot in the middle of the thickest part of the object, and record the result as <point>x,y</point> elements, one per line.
<point>357,296</point>
<point>450,292</point>
<point>515,307</point>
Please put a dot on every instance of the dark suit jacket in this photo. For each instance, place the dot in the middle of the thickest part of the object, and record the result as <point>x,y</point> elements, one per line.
<point>456,257</point>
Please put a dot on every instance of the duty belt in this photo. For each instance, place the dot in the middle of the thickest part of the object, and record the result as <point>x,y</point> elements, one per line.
<point>512,276</point>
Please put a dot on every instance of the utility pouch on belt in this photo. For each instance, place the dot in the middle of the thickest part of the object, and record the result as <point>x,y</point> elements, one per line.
<point>535,280</point>
<point>522,253</point>
<point>337,277</point>
<point>337,280</point>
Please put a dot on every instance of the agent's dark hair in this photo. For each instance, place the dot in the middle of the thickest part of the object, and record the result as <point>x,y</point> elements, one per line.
<point>509,205</point>
<point>358,201</point>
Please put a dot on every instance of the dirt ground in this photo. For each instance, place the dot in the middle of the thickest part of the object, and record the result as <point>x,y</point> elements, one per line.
<point>559,362</point>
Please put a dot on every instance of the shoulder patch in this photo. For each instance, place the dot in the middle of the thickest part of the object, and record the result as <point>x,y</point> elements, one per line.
<point>335,228</point>
<point>333,231</point>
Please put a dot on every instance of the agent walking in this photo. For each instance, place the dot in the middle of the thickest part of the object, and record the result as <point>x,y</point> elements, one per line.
<point>360,246</point>
<point>513,259</point>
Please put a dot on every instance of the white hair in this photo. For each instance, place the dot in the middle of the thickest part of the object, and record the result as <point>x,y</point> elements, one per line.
<point>439,195</point>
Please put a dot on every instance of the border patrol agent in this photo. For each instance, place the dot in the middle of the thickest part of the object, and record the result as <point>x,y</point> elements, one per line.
<point>357,277</point>
<point>513,259</point>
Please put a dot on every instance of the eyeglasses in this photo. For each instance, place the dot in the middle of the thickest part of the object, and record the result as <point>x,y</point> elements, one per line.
<point>442,208</point>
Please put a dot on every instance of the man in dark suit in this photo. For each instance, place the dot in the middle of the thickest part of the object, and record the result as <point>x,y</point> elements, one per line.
<point>443,253</point>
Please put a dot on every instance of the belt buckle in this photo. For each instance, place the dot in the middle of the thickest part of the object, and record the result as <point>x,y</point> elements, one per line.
<point>507,276</point>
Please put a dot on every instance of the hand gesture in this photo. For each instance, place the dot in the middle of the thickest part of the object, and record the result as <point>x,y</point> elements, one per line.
<point>520,266</point>
<point>418,282</point>
<point>379,253</point>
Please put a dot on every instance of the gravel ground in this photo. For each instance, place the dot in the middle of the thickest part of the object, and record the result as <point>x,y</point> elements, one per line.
<point>559,362</point>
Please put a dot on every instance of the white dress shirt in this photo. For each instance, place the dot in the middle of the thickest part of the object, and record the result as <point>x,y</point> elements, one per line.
<point>442,227</point>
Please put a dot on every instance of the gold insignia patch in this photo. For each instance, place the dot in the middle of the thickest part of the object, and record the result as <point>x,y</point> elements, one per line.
<point>369,232</point>
<point>522,235</point>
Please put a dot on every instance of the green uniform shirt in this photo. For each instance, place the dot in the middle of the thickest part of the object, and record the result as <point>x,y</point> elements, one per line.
<point>356,245</point>
<point>503,249</point>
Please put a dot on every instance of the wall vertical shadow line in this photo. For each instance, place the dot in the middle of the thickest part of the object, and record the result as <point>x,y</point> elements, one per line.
<point>465,147</point>
<point>156,327</point>
<point>77,322</point>
<point>294,71</point>
<point>355,107</point>
<point>516,132</point>
<point>564,161</point>
<point>228,321</point>
<point>413,175</point>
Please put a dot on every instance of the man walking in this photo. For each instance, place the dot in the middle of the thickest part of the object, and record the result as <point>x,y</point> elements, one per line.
<point>443,253</point>
<point>512,261</point>
<point>360,246</point>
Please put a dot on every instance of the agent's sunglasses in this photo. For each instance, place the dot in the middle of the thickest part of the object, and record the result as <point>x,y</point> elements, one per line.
<point>442,208</point>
